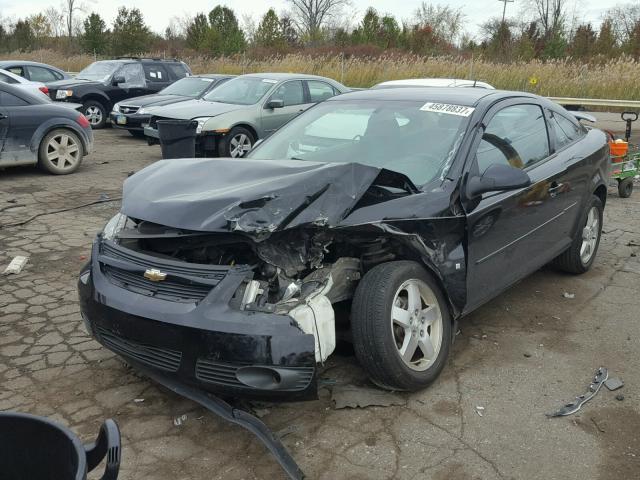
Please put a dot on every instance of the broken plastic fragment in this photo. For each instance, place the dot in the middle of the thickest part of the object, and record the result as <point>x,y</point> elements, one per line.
<point>602,374</point>
<point>569,295</point>
<point>177,421</point>
<point>16,265</point>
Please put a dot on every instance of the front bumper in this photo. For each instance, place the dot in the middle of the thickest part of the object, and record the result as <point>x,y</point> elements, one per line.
<point>204,343</point>
<point>132,122</point>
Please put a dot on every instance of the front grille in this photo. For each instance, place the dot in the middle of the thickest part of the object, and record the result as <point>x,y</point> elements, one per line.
<point>166,290</point>
<point>201,278</point>
<point>224,374</point>
<point>126,109</point>
<point>161,358</point>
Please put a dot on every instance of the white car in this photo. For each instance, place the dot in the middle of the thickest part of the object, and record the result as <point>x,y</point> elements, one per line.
<point>37,88</point>
<point>432,82</point>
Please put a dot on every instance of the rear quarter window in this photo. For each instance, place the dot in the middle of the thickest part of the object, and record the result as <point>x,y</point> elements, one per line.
<point>178,69</point>
<point>565,130</point>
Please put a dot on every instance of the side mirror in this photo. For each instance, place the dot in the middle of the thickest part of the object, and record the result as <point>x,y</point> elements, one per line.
<point>117,80</point>
<point>497,178</point>
<point>275,103</point>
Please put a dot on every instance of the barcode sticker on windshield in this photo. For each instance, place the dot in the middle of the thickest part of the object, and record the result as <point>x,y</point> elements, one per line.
<point>459,110</point>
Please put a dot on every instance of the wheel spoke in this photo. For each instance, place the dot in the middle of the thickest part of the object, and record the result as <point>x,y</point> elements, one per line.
<point>414,300</point>
<point>73,148</point>
<point>52,155</point>
<point>400,316</point>
<point>430,315</point>
<point>409,347</point>
<point>426,346</point>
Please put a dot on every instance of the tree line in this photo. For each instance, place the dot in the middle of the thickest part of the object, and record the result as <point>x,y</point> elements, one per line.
<point>545,29</point>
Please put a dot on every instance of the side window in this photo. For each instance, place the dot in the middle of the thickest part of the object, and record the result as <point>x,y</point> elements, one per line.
<point>9,100</point>
<point>178,70</point>
<point>17,70</point>
<point>7,79</point>
<point>290,92</point>
<point>565,130</point>
<point>320,91</point>
<point>39,74</point>
<point>133,75</point>
<point>155,73</point>
<point>515,136</point>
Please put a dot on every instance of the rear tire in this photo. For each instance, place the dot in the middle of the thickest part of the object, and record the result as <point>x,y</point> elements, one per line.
<point>625,187</point>
<point>579,257</point>
<point>60,152</point>
<point>391,326</point>
<point>237,143</point>
<point>96,113</point>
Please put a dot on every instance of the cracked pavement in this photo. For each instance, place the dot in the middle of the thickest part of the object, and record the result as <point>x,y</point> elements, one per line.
<point>520,356</point>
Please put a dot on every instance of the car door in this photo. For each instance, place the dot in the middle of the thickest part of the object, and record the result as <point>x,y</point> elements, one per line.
<point>513,233</point>
<point>134,84</point>
<point>295,102</point>
<point>156,77</point>
<point>19,124</point>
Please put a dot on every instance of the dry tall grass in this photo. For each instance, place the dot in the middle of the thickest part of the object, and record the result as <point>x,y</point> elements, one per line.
<point>615,79</point>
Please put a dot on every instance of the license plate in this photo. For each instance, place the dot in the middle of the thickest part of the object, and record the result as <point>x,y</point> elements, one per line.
<point>121,120</point>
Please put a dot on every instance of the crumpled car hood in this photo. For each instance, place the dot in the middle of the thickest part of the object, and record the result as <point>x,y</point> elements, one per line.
<point>194,109</point>
<point>257,196</point>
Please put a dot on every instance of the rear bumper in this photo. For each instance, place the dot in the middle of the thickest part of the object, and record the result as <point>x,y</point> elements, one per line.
<point>206,344</point>
<point>132,122</point>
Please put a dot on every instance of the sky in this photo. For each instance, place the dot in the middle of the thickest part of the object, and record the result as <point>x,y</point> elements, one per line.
<point>158,12</point>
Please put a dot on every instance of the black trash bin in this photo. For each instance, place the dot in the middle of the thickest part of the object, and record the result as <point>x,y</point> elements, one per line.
<point>177,138</point>
<point>35,448</point>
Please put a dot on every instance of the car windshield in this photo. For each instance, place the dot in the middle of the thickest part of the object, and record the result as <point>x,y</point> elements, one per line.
<point>241,91</point>
<point>99,71</point>
<point>188,87</point>
<point>404,136</point>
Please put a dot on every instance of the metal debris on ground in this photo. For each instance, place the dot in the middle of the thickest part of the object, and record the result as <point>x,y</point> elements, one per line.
<point>601,376</point>
<point>480,410</point>
<point>351,396</point>
<point>620,397</point>
<point>177,421</point>
<point>138,400</point>
<point>569,295</point>
<point>16,265</point>
<point>614,384</point>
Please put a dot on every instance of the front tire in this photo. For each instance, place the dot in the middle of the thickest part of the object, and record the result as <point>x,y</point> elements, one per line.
<point>237,143</point>
<point>401,326</point>
<point>60,152</point>
<point>579,257</point>
<point>96,113</point>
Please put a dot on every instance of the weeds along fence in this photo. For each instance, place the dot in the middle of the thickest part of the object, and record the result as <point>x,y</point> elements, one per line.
<point>614,79</point>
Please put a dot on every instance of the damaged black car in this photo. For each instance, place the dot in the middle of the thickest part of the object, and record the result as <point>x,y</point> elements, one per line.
<point>379,216</point>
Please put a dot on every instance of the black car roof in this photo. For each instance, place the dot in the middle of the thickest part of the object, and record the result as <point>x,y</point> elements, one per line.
<point>459,96</point>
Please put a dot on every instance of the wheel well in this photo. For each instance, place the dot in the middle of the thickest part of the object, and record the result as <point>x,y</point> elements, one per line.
<point>601,193</point>
<point>96,98</point>
<point>250,128</point>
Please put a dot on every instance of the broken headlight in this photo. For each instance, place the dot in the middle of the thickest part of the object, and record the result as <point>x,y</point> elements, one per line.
<point>201,121</point>
<point>114,226</point>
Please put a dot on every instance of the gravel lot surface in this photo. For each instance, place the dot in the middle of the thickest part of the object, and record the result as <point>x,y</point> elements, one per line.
<point>522,355</point>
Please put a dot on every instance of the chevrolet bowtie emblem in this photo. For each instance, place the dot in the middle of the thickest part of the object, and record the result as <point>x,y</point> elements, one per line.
<point>154,275</point>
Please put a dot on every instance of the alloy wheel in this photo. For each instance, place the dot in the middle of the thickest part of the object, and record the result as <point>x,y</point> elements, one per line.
<point>94,115</point>
<point>240,145</point>
<point>416,324</point>
<point>63,151</point>
<point>590,234</point>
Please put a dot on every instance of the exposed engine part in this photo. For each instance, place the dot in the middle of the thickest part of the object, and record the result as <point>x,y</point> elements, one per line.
<point>572,407</point>
<point>251,292</point>
<point>345,274</point>
<point>316,316</point>
<point>376,251</point>
<point>290,291</point>
<point>297,252</point>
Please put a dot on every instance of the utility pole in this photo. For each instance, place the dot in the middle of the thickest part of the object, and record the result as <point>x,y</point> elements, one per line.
<point>504,10</point>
